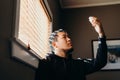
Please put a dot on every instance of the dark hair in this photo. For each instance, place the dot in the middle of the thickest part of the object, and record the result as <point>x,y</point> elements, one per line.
<point>53,37</point>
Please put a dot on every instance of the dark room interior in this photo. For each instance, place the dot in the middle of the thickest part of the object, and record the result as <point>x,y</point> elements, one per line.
<point>75,21</point>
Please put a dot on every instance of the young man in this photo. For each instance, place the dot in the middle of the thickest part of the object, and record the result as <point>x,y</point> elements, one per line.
<point>58,66</point>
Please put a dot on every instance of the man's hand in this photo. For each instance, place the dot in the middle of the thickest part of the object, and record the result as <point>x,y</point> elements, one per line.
<point>97,25</point>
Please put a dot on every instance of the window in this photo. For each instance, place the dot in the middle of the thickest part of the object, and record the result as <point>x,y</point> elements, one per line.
<point>33,27</point>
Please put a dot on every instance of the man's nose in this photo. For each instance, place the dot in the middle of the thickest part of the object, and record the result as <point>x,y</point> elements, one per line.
<point>68,39</point>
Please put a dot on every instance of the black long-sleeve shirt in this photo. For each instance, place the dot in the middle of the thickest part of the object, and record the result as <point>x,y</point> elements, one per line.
<point>59,68</point>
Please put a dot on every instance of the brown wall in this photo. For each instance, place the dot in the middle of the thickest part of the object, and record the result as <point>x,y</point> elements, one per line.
<point>11,69</point>
<point>75,21</point>
<point>56,11</point>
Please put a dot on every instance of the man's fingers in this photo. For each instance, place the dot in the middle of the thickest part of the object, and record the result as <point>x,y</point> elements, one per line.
<point>94,21</point>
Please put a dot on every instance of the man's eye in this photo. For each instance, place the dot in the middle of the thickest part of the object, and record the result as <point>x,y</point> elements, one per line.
<point>64,37</point>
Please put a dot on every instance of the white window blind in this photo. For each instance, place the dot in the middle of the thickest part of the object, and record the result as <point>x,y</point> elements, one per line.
<point>34,26</point>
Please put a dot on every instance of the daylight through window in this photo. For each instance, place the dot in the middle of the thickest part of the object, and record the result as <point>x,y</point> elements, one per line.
<point>34,26</point>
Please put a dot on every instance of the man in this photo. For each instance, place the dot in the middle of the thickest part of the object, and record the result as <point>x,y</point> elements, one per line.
<point>58,66</point>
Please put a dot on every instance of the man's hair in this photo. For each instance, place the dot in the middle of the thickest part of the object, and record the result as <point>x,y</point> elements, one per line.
<point>53,37</point>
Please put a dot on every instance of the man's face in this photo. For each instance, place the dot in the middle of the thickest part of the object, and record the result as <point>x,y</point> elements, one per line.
<point>63,42</point>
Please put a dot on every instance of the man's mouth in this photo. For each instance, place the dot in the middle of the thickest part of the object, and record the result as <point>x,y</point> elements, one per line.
<point>70,43</point>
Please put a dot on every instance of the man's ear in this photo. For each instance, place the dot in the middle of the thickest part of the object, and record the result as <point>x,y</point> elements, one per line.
<point>54,44</point>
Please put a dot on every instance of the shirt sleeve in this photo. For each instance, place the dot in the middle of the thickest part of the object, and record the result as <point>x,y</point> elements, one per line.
<point>100,60</point>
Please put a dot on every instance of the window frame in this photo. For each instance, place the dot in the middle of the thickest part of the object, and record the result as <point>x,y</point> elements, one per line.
<point>19,50</point>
